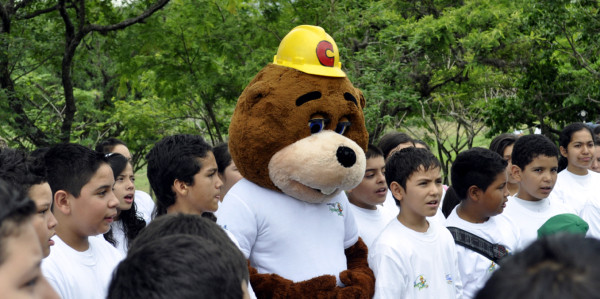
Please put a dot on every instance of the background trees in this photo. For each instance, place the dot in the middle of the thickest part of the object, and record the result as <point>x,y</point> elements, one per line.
<point>448,71</point>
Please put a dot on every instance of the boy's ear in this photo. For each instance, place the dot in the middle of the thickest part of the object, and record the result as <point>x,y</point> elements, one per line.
<point>62,202</point>
<point>180,187</point>
<point>516,172</point>
<point>397,191</point>
<point>563,151</point>
<point>473,193</point>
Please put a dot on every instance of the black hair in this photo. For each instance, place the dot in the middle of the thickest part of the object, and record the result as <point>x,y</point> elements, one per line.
<point>16,210</point>
<point>107,145</point>
<point>373,152</point>
<point>451,200</point>
<point>70,166</point>
<point>501,142</point>
<point>131,221</point>
<point>402,164</point>
<point>564,138</point>
<point>180,266</point>
<point>596,131</point>
<point>554,267</point>
<point>20,170</point>
<point>475,167</point>
<point>222,156</point>
<point>421,142</point>
<point>179,223</point>
<point>529,147</point>
<point>390,141</point>
<point>174,158</point>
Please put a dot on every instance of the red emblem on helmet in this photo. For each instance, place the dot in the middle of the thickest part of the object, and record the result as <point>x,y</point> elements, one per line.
<point>323,49</point>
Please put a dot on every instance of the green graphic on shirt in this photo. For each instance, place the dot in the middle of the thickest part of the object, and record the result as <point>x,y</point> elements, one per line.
<point>336,207</point>
<point>421,283</point>
<point>492,267</point>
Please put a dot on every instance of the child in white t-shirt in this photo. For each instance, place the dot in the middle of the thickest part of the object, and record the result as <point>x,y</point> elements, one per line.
<point>534,166</point>
<point>577,185</point>
<point>366,198</point>
<point>143,202</point>
<point>480,180</point>
<point>413,257</point>
<point>81,263</point>
<point>128,222</point>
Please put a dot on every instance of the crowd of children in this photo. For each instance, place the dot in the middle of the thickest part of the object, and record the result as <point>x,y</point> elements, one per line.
<point>73,225</point>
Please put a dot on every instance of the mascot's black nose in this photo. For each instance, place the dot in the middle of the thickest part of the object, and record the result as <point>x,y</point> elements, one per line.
<point>346,156</point>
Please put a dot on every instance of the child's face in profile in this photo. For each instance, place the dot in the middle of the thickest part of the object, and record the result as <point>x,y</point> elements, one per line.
<point>495,196</point>
<point>124,188</point>
<point>204,194</point>
<point>20,273</point>
<point>537,179</point>
<point>96,207</point>
<point>422,195</point>
<point>596,161</point>
<point>507,155</point>
<point>231,175</point>
<point>373,189</point>
<point>44,221</point>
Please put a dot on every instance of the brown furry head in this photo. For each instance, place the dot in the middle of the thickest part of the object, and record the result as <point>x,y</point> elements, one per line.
<point>272,118</point>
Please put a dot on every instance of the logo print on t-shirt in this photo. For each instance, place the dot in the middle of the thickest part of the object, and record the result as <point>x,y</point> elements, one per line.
<point>449,279</point>
<point>421,283</point>
<point>492,267</point>
<point>336,207</point>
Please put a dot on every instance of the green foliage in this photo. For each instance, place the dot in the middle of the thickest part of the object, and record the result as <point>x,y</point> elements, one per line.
<point>444,71</point>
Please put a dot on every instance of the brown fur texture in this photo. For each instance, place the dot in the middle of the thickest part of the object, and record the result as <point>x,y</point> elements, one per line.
<point>359,280</point>
<point>266,118</point>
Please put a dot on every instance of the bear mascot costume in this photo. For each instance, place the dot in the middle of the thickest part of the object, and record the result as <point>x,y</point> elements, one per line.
<point>298,137</point>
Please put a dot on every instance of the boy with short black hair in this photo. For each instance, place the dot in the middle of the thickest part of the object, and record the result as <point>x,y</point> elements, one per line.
<point>535,167</point>
<point>182,171</point>
<point>214,267</point>
<point>413,257</point>
<point>480,180</point>
<point>29,176</point>
<point>367,197</point>
<point>80,265</point>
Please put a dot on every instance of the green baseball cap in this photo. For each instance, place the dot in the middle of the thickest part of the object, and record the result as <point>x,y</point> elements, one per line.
<point>563,223</point>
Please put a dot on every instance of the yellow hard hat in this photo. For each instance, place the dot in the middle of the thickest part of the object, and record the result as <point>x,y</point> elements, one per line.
<point>311,50</point>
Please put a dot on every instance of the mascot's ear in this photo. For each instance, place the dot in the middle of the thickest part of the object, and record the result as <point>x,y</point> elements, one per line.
<point>361,98</point>
<point>256,92</point>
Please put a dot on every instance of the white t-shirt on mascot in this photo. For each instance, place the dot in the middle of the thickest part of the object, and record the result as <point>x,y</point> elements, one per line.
<point>475,269</point>
<point>409,264</point>
<point>370,222</point>
<point>76,275</point>
<point>576,190</point>
<point>530,215</point>
<point>282,235</point>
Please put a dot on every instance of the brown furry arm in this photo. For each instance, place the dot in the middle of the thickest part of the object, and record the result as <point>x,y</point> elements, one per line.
<point>275,286</point>
<point>359,278</point>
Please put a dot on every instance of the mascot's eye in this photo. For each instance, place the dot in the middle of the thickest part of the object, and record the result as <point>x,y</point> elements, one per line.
<point>342,127</point>
<point>317,125</point>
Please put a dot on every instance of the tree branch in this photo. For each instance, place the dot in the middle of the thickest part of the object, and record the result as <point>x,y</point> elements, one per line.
<point>37,13</point>
<point>106,28</point>
<point>578,55</point>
